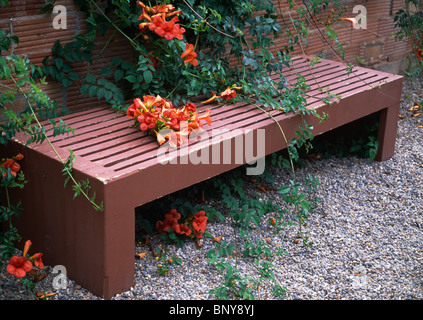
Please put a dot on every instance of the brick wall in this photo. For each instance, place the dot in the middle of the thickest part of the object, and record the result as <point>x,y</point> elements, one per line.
<point>37,37</point>
<point>374,45</point>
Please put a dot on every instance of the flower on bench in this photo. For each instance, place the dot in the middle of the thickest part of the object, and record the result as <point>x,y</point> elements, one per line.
<point>157,116</point>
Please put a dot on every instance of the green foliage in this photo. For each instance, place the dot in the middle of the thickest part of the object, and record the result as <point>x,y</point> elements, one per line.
<point>23,80</point>
<point>248,214</point>
<point>164,263</point>
<point>408,21</point>
<point>6,40</point>
<point>220,33</point>
<point>355,139</point>
<point>409,26</point>
<point>48,7</point>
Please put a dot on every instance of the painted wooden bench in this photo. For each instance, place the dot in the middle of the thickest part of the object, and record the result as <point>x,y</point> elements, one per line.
<point>97,248</point>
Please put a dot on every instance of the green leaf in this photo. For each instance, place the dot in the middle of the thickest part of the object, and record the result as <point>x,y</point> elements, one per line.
<point>284,190</point>
<point>73,76</point>
<point>6,70</point>
<point>87,55</point>
<point>46,9</point>
<point>119,75</point>
<point>59,63</point>
<point>256,220</point>
<point>101,82</point>
<point>106,70</point>
<point>148,76</point>
<point>92,91</point>
<point>57,48</point>
<point>116,61</point>
<point>84,89</point>
<point>91,21</point>
<point>90,78</point>
<point>66,82</point>
<point>305,205</point>
<point>100,93</point>
<point>68,56</point>
<point>108,95</point>
<point>131,78</point>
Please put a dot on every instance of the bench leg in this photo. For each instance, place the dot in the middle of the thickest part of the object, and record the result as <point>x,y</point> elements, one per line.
<point>387,135</point>
<point>97,249</point>
<point>119,251</point>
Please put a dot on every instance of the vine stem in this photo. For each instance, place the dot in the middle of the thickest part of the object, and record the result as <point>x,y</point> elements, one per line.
<point>187,4</point>
<point>134,44</point>
<point>96,206</point>
<point>283,134</point>
<point>277,123</point>
<point>177,85</point>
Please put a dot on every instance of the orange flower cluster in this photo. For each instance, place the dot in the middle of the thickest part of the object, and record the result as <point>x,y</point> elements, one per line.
<point>20,266</point>
<point>195,226</point>
<point>12,165</point>
<point>156,17</point>
<point>168,29</point>
<point>154,114</point>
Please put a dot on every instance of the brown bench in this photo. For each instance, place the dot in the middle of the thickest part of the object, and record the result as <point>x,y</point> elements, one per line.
<point>121,163</point>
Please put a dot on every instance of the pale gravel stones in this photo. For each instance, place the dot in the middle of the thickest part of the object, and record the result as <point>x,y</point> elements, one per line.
<point>367,236</point>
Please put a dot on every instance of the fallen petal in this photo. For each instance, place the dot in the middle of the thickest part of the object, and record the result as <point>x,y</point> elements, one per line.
<point>217,239</point>
<point>140,255</point>
<point>43,295</point>
<point>261,188</point>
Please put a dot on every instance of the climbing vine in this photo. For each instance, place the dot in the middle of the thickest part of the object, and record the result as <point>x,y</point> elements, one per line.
<point>185,49</point>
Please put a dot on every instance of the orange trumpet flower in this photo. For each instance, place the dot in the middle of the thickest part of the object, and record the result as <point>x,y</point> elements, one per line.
<point>211,99</point>
<point>189,55</point>
<point>206,117</point>
<point>28,244</point>
<point>228,94</point>
<point>353,21</point>
<point>160,138</point>
<point>19,266</point>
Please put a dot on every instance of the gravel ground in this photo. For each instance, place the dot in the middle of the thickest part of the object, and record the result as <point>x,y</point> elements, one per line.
<point>367,237</point>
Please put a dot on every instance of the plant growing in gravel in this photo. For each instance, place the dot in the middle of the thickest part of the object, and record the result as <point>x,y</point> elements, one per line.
<point>175,229</point>
<point>164,262</point>
<point>11,177</point>
<point>247,214</point>
<point>28,269</point>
